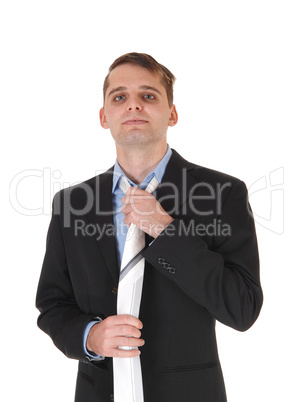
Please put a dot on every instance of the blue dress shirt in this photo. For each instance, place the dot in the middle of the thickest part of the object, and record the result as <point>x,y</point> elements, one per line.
<point>121,228</point>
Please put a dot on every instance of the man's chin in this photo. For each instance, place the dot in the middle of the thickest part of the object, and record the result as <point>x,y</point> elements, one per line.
<point>134,138</point>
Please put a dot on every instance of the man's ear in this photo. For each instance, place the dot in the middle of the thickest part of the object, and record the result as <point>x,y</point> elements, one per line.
<point>173,116</point>
<point>102,118</point>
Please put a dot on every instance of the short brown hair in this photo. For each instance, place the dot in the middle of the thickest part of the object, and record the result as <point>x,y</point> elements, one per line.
<point>148,62</point>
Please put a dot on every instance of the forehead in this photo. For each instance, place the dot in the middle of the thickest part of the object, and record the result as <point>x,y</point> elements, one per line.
<point>133,76</point>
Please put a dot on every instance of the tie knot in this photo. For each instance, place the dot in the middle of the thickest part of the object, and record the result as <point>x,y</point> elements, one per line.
<point>125,185</point>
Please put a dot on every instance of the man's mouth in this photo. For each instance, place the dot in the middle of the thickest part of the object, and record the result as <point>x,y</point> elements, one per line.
<point>133,122</point>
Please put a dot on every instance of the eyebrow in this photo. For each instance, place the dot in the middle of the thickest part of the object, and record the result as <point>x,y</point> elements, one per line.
<point>147,88</point>
<point>117,90</point>
<point>144,87</point>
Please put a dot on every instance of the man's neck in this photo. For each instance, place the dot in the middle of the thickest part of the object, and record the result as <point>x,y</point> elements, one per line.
<point>138,162</point>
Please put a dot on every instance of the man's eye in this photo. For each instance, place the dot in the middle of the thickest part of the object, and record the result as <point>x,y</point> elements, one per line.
<point>149,96</point>
<point>118,98</point>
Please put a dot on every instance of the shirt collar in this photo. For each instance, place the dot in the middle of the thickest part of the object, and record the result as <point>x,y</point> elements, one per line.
<point>158,171</point>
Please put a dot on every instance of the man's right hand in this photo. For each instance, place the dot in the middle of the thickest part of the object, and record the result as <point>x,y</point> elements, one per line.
<point>105,337</point>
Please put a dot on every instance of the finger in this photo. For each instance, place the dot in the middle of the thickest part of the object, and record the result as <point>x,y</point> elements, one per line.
<point>128,341</point>
<point>126,330</point>
<point>137,191</point>
<point>129,218</point>
<point>128,197</point>
<point>134,192</point>
<point>126,209</point>
<point>125,319</point>
<point>141,197</point>
<point>125,353</point>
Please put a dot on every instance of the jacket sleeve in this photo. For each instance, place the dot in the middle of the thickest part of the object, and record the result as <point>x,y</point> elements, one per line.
<point>223,278</point>
<point>60,316</point>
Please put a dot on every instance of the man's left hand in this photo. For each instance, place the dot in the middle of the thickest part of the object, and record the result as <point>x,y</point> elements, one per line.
<point>144,211</point>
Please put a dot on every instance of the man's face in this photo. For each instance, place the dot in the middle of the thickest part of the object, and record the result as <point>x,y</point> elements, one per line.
<point>136,108</point>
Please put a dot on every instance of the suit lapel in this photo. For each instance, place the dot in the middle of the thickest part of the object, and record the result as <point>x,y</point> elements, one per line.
<point>176,184</point>
<point>102,215</point>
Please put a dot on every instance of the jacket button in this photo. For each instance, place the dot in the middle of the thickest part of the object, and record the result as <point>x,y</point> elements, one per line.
<point>111,397</point>
<point>115,290</point>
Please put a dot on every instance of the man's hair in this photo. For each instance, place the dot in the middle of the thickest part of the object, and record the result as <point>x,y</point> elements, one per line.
<point>148,62</point>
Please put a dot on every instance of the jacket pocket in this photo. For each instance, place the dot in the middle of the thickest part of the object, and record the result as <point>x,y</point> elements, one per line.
<point>191,367</point>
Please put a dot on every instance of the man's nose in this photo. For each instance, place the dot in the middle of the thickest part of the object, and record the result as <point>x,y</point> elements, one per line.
<point>134,104</point>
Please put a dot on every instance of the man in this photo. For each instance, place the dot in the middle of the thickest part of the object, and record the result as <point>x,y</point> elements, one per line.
<point>201,257</point>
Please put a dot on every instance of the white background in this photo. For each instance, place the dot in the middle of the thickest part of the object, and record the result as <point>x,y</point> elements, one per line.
<point>232,60</point>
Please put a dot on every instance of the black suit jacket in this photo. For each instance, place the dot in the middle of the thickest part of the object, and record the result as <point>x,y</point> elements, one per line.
<point>203,267</point>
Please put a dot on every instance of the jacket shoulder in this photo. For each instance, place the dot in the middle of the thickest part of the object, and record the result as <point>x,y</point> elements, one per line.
<point>203,173</point>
